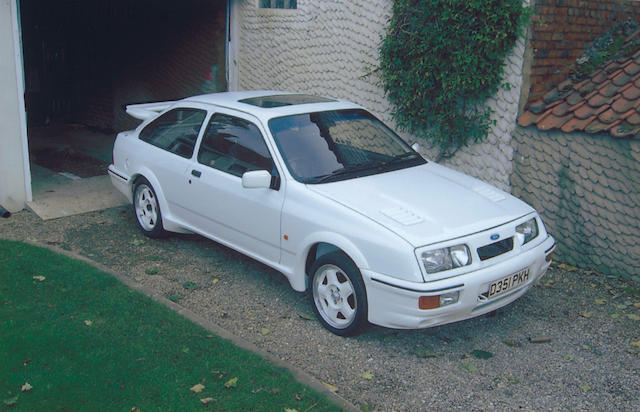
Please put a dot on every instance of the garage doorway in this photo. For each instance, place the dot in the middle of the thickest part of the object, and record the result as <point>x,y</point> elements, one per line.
<point>84,59</point>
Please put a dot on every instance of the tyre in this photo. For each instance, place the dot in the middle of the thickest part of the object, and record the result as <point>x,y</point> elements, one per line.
<point>338,294</point>
<point>147,209</point>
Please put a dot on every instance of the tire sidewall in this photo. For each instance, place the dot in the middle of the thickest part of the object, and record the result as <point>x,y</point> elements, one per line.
<point>158,230</point>
<point>349,269</point>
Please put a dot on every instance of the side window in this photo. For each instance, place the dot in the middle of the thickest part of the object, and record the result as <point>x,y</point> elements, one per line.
<point>234,146</point>
<point>175,131</point>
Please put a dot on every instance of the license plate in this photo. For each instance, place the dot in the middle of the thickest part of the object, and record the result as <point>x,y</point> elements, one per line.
<point>507,283</point>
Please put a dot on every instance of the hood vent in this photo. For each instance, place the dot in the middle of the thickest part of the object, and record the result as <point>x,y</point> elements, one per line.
<point>489,192</point>
<point>402,216</point>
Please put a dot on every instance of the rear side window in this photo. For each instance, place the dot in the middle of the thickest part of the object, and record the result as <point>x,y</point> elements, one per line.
<point>234,145</point>
<point>175,131</point>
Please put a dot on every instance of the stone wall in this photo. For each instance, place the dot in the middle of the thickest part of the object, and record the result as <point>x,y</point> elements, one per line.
<point>330,48</point>
<point>587,189</point>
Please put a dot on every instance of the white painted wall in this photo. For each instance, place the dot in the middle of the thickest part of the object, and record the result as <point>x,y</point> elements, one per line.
<point>330,48</point>
<point>15,179</point>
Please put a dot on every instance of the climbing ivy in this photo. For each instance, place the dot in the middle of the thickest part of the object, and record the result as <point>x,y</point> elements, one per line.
<point>439,61</point>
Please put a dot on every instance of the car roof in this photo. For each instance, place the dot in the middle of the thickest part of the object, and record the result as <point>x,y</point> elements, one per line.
<point>268,104</point>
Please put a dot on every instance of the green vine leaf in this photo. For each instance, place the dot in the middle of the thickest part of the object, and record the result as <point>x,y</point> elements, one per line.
<point>441,59</point>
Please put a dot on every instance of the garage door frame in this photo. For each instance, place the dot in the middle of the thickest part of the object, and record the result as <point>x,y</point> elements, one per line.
<point>231,47</point>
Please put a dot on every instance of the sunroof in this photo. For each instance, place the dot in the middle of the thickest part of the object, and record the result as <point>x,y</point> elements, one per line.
<point>280,100</point>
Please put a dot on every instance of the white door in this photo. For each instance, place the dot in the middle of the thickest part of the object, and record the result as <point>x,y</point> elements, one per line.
<point>216,202</point>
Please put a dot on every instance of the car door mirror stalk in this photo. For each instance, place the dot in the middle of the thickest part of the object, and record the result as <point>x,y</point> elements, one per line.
<point>275,183</point>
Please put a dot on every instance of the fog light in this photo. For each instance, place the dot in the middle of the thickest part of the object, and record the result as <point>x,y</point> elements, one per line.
<point>438,301</point>
<point>449,298</point>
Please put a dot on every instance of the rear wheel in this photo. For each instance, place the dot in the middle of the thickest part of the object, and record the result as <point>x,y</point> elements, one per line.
<point>147,209</point>
<point>338,294</point>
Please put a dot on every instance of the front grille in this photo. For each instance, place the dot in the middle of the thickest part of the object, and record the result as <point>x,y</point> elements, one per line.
<point>495,249</point>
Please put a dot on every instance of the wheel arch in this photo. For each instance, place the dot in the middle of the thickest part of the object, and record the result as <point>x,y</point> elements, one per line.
<point>149,176</point>
<point>324,243</point>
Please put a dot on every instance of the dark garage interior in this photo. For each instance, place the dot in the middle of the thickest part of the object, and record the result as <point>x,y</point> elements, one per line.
<point>84,59</point>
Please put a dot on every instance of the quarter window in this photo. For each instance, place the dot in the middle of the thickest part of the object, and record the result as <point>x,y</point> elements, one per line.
<point>234,145</point>
<point>278,4</point>
<point>175,131</point>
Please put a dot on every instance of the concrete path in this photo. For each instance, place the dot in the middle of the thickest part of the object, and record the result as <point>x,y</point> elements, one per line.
<point>56,195</point>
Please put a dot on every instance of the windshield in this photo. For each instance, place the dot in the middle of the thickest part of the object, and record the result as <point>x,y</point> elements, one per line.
<point>335,145</point>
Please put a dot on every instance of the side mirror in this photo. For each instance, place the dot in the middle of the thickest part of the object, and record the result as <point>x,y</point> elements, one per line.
<point>416,147</point>
<point>256,179</point>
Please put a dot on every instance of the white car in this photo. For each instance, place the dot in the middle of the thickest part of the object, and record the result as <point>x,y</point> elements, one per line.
<point>325,193</point>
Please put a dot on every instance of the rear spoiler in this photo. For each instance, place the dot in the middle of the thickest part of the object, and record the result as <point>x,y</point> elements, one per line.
<point>144,111</point>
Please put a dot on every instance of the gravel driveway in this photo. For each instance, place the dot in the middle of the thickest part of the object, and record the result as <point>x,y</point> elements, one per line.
<point>589,325</point>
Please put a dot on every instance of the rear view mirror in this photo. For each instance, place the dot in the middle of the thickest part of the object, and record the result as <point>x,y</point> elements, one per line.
<point>416,147</point>
<point>256,179</point>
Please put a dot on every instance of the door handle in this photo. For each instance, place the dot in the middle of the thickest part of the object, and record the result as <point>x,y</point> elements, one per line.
<point>196,173</point>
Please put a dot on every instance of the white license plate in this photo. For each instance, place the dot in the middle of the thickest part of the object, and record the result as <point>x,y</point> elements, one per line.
<point>507,283</point>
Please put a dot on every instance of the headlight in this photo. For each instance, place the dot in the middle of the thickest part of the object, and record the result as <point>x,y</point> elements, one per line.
<point>446,258</point>
<point>527,231</point>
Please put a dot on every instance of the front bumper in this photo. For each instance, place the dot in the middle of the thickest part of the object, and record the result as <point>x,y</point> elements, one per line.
<point>394,303</point>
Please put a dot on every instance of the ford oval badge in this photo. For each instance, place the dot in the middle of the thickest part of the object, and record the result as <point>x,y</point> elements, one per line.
<point>495,236</point>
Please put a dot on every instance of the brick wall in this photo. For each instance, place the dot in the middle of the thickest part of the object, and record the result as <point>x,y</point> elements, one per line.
<point>561,29</point>
<point>330,48</point>
<point>155,51</point>
<point>587,190</point>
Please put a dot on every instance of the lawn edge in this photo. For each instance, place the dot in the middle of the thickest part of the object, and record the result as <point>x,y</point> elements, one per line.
<point>299,374</point>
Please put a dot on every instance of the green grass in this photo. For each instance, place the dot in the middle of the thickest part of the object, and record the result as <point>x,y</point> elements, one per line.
<point>84,341</point>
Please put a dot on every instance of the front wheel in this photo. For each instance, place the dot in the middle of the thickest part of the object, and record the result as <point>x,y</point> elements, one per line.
<point>338,294</point>
<point>147,209</point>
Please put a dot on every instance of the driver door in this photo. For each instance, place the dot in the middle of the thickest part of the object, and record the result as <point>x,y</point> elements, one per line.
<point>218,204</point>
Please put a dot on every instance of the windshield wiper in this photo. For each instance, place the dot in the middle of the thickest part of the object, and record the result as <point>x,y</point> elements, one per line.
<point>345,171</point>
<point>371,165</point>
<point>402,157</point>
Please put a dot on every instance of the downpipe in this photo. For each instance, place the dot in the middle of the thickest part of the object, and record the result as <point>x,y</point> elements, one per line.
<point>4,212</point>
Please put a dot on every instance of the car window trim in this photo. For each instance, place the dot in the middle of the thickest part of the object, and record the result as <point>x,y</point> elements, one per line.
<point>212,110</point>
<point>145,124</point>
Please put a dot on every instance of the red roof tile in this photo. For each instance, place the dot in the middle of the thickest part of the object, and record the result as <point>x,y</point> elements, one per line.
<point>576,124</point>
<point>553,122</point>
<point>599,76</point>
<point>575,98</point>
<point>622,104</point>
<point>632,92</point>
<point>596,126</point>
<point>598,100</point>
<point>621,78</point>
<point>631,68</point>
<point>609,116</point>
<point>634,119</point>
<point>608,101</point>
<point>611,67</point>
<point>608,89</point>
<point>527,118</point>
<point>561,109</point>
<point>624,129</point>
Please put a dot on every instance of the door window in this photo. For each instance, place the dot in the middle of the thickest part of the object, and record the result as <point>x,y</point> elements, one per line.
<point>175,131</point>
<point>235,146</point>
